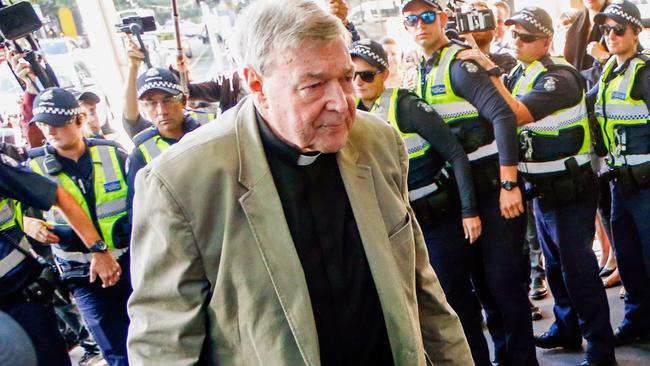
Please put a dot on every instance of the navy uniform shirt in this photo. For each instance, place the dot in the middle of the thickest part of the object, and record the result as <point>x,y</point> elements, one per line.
<point>471,82</point>
<point>19,183</point>
<point>348,316</point>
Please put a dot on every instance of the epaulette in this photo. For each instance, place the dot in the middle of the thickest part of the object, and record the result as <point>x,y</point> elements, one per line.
<point>102,142</point>
<point>145,135</point>
<point>40,151</point>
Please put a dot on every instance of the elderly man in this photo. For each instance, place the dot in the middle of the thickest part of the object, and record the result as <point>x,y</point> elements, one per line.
<point>285,237</point>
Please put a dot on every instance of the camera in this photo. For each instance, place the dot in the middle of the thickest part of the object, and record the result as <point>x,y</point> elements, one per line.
<point>136,24</point>
<point>470,21</point>
<point>18,21</point>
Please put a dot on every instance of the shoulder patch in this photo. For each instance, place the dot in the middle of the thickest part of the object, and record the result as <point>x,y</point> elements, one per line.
<point>470,67</point>
<point>425,106</point>
<point>550,84</point>
<point>8,160</point>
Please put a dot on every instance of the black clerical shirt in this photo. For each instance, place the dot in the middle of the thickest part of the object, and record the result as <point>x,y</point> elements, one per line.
<point>349,321</point>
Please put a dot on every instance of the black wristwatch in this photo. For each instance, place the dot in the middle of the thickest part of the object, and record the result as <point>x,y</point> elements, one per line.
<point>508,185</point>
<point>495,71</point>
<point>98,247</point>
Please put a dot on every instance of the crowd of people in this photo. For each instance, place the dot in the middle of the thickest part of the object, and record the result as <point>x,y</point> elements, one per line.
<point>360,206</point>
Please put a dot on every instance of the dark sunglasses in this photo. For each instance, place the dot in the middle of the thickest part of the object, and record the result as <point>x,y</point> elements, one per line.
<point>619,30</point>
<point>526,38</point>
<point>367,76</point>
<point>427,17</point>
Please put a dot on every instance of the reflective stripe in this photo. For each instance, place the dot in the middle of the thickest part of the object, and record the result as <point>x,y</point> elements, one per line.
<point>422,191</point>
<point>6,212</point>
<point>415,143</point>
<point>445,60</point>
<point>152,148</point>
<point>454,109</point>
<point>552,166</point>
<point>529,76</point>
<point>559,120</point>
<point>109,170</point>
<point>111,208</point>
<point>624,111</point>
<point>631,159</point>
<point>14,258</point>
<point>381,109</point>
<point>82,257</point>
<point>483,151</point>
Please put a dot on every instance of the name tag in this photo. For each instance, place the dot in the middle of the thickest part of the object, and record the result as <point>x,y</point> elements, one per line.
<point>438,89</point>
<point>618,95</point>
<point>112,186</point>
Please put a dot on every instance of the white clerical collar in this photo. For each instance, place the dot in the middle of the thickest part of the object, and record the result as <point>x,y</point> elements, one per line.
<point>304,160</point>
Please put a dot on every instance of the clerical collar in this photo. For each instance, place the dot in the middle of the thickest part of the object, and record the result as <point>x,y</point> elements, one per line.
<point>280,148</point>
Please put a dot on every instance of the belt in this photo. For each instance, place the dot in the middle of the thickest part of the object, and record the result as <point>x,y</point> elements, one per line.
<point>483,151</point>
<point>552,166</point>
<point>422,191</point>
<point>631,159</point>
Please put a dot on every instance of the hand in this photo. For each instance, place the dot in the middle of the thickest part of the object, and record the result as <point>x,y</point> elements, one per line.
<point>472,228</point>
<point>598,51</point>
<point>477,56</point>
<point>339,8</point>
<point>39,230</point>
<point>134,53</point>
<point>511,203</point>
<point>106,267</point>
<point>181,64</point>
<point>23,70</point>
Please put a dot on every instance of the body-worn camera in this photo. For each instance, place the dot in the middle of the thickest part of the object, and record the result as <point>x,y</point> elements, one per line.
<point>18,21</point>
<point>474,20</point>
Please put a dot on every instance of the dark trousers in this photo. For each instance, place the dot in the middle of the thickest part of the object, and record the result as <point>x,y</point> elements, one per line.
<point>40,324</point>
<point>72,328</point>
<point>104,312</point>
<point>499,275</point>
<point>532,246</point>
<point>566,234</point>
<point>449,256</point>
<point>631,234</point>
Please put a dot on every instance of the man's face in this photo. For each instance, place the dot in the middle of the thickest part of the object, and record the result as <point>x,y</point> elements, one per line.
<point>164,109</point>
<point>500,16</point>
<point>367,90</point>
<point>91,115</point>
<point>619,45</point>
<point>527,52</point>
<point>594,5</point>
<point>307,97</point>
<point>486,37</point>
<point>62,138</point>
<point>425,35</point>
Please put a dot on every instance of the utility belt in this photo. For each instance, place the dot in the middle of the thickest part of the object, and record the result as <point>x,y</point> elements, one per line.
<point>76,264</point>
<point>438,204</point>
<point>538,147</point>
<point>630,178</point>
<point>554,189</point>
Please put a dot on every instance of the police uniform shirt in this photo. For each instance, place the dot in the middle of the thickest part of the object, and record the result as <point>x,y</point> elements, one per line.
<point>554,90</point>
<point>415,116</point>
<point>640,88</point>
<point>348,316</point>
<point>31,189</point>
<point>471,82</point>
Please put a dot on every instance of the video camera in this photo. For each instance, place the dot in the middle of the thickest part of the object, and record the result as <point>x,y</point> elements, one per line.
<point>19,21</point>
<point>470,21</point>
<point>137,25</point>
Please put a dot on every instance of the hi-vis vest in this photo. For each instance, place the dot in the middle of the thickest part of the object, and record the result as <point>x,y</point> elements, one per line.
<point>150,143</point>
<point>110,196</point>
<point>454,110</point>
<point>422,166</point>
<point>551,126</point>
<point>615,108</point>
<point>10,217</point>
<point>202,117</point>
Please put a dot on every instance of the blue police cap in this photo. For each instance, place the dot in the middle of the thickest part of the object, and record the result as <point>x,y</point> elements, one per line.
<point>158,79</point>
<point>55,106</point>
<point>406,3</point>
<point>371,51</point>
<point>622,12</point>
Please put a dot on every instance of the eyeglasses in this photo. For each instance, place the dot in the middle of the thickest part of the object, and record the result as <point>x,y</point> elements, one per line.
<point>619,30</point>
<point>525,37</point>
<point>367,76</point>
<point>43,126</point>
<point>427,17</point>
<point>165,102</point>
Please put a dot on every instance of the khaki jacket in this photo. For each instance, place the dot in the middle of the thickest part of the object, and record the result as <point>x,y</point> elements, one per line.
<point>216,277</point>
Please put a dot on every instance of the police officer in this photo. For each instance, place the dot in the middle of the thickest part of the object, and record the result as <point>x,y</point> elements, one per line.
<point>463,95</point>
<point>448,229</point>
<point>622,100</point>
<point>555,143</point>
<point>19,274</point>
<point>92,171</point>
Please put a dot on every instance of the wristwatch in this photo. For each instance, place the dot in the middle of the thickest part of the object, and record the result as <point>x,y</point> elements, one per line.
<point>508,185</point>
<point>495,71</point>
<point>98,247</point>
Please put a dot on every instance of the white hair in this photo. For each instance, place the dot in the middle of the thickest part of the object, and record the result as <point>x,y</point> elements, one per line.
<point>268,27</point>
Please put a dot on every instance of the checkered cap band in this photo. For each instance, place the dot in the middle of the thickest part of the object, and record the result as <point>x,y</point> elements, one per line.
<point>361,49</point>
<point>57,111</point>
<point>159,84</point>
<point>530,19</point>
<point>615,9</point>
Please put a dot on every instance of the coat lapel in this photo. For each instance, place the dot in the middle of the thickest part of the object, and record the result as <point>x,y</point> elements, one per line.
<point>358,181</point>
<point>263,209</point>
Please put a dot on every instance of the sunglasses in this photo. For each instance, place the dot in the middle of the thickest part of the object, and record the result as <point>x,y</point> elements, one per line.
<point>526,38</point>
<point>367,76</point>
<point>427,17</point>
<point>619,30</point>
